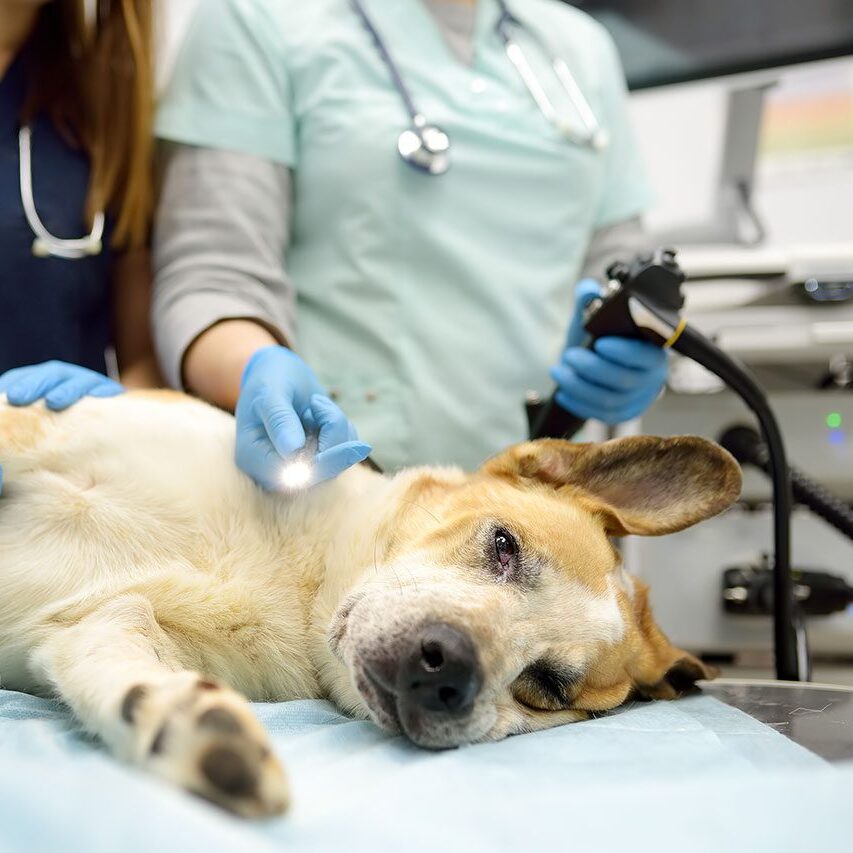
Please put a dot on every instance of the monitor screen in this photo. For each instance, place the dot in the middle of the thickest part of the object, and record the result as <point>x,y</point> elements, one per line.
<point>671,41</point>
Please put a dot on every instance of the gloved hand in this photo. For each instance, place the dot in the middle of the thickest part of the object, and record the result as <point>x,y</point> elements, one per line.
<point>59,383</point>
<point>615,381</point>
<point>279,397</point>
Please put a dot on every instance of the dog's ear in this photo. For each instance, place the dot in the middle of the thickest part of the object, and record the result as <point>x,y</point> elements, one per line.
<point>659,670</point>
<point>641,484</point>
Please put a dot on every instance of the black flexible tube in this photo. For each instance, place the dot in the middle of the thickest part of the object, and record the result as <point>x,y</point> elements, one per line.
<point>791,654</point>
<point>553,421</point>
<point>745,444</point>
<point>822,503</point>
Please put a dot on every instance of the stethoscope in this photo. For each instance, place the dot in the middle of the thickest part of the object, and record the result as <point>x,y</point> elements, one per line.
<point>46,244</point>
<point>426,147</point>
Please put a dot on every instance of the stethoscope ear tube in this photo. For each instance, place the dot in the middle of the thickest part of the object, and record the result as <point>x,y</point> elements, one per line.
<point>593,135</point>
<point>46,244</point>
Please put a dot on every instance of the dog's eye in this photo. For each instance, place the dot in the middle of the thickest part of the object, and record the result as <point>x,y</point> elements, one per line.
<point>506,550</point>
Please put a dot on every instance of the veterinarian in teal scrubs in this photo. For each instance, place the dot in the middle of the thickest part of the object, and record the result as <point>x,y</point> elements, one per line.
<point>428,292</point>
<point>75,199</point>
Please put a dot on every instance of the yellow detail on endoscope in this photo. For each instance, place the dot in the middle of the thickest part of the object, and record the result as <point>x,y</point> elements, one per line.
<point>679,330</point>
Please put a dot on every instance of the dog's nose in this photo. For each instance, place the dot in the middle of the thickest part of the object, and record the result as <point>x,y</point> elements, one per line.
<point>441,673</point>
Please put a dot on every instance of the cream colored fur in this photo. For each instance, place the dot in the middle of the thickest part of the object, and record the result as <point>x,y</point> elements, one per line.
<point>162,546</point>
<point>151,586</point>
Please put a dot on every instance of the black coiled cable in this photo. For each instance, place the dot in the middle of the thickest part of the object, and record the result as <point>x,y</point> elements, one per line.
<point>745,444</point>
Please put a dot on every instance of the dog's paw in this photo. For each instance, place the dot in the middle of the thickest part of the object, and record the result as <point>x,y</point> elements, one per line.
<point>205,738</point>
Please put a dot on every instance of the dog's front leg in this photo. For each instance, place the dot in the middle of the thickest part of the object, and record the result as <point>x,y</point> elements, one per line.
<point>119,672</point>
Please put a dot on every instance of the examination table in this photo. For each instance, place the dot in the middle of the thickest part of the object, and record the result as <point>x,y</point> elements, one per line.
<point>697,774</point>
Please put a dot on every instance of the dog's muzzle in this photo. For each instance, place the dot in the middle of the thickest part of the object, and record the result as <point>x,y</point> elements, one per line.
<point>435,678</point>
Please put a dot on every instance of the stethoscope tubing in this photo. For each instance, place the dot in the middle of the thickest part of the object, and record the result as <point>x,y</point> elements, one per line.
<point>593,136</point>
<point>391,64</point>
<point>46,244</point>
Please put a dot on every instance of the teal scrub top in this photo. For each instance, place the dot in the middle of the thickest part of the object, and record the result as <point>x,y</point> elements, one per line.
<point>428,305</point>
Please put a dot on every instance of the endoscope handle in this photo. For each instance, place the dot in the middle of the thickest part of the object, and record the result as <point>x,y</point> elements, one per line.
<point>551,420</point>
<point>622,311</point>
<point>746,445</point>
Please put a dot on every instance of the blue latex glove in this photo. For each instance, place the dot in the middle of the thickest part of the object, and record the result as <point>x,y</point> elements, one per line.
<point>615,381</point>
<point>60,384</point>
<point>279,397</point>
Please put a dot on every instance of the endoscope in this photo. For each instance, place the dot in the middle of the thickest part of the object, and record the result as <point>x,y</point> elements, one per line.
<point>643,299</point>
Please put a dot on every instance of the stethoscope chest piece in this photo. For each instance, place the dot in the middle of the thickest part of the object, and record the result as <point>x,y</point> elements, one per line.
<point>426,147</point>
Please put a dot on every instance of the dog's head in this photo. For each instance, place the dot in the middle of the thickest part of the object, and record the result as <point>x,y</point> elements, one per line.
<point>498,604</point>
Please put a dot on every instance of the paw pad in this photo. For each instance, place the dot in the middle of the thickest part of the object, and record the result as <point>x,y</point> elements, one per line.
<point>130,702</point>
<point>203,736</point>
<point>229,772</point>
<point>220,720</point>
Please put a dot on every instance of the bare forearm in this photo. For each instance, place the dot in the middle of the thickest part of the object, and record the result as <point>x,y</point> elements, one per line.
<point>131,306</point>
<point>214,362</point>
<point>143,373</point>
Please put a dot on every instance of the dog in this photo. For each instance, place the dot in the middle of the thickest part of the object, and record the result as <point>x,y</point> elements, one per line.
<point>153,588</point>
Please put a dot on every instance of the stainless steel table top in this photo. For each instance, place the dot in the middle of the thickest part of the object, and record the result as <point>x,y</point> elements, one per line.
<point>816,716</point>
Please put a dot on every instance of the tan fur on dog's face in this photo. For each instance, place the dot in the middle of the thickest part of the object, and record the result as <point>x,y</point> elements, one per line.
<point>559,629</point>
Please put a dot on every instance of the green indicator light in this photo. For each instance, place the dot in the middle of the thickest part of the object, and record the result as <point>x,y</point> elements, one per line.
<point>833,420</point>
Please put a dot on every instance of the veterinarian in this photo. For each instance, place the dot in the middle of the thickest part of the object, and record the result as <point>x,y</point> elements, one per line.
<point>420,183</point>
<point>75,198</point>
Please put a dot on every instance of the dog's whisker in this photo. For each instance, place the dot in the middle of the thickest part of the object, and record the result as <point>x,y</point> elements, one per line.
<point>399,581</point>
<point>431,514</point>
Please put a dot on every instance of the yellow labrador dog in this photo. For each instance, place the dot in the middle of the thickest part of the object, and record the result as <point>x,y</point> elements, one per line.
<point>153,588</point>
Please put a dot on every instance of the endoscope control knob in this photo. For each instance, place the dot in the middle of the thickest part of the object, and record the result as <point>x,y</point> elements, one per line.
<point>619,271</point>
<point>668,256</point>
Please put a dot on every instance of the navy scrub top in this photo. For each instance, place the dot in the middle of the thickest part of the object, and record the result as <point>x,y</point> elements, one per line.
<point>50,308</point>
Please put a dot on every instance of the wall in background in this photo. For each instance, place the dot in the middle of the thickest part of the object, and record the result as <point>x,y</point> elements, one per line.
<point>804,189</point>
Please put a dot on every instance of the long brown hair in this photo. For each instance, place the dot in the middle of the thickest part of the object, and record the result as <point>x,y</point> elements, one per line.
<point>95,80</point>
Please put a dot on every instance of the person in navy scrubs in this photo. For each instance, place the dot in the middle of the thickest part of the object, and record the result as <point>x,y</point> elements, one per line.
<point>75,199</point>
